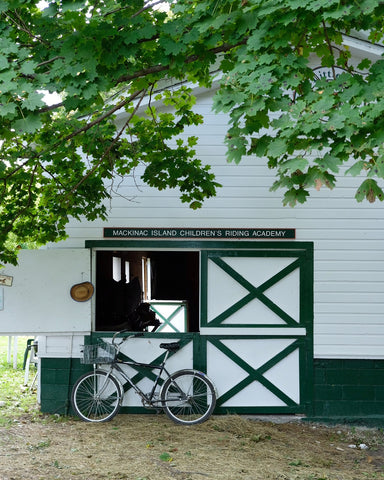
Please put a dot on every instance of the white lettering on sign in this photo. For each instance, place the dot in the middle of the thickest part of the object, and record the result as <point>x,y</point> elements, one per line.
<point>268,233</point>
<point>164,233</point>
<point>200,233</point>
<point>236,233</point>
<point>117,232</point>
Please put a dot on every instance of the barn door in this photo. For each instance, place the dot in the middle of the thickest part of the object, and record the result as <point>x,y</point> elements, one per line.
<point>38,301</point>
<point>257,323</point>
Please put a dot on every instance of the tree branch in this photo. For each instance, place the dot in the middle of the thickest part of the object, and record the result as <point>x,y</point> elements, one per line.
<point>93,169</point>
<point>100,119</point>
<point>330,48</point>
<point>147,7</point>
<point>49,108</point>
<point>50,61</point>
<point>150,70</point>
<point>20,24</point>
<point>80,130</point>
<point>163,68</point>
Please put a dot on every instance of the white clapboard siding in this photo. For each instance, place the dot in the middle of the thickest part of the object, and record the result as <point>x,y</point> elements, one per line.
<point>348,236</point>
<point>351,318</point>
<point>352,287</point>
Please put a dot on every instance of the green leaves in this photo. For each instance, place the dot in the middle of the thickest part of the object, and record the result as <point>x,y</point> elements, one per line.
<point>111,58</point>
<point>277,148</point>
<point>27,125</point>
<point>294,164</point>
<point>56,161</point>
<point>370,191</point>
<point>305,126</point>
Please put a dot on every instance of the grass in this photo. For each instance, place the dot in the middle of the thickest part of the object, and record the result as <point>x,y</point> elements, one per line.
<point>16,399</point>
<point>227,446</point>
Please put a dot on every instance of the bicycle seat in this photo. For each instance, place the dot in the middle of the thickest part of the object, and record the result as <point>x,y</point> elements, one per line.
<point>170,346</point>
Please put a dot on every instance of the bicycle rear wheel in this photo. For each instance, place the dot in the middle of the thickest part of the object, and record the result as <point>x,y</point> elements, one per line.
<point>188,397</point>
<point>96,396</point>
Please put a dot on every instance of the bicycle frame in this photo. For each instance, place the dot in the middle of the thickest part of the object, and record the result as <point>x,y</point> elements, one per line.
<point>146,398</point>
<point>187,396</point>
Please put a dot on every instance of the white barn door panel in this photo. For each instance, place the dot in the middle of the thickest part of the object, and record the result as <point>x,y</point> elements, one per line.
<point>39,301</point>
<point>257,317</point>
<point>250,290</point>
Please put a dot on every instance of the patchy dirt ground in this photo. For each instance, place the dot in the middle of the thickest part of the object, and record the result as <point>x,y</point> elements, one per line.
<point>151,447</point>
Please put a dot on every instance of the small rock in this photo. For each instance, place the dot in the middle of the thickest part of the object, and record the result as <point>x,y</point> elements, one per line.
<point>352,446</point>
<point>363,446</point>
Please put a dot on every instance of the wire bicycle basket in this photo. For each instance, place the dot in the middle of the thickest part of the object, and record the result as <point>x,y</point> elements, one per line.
<point>101,352</point>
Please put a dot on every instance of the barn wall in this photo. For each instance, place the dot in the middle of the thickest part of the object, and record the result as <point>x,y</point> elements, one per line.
<point>347,236</point>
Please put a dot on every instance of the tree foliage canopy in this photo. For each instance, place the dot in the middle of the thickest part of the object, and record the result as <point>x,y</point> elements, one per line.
<point>105,56</point>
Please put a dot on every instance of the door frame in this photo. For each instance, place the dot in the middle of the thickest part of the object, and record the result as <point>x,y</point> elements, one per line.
<point>302,333</point>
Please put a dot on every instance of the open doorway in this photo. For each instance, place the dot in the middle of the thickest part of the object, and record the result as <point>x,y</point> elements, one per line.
<point>128,280</point>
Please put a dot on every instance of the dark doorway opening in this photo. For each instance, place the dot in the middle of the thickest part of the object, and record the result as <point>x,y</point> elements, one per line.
<point>127,279</point>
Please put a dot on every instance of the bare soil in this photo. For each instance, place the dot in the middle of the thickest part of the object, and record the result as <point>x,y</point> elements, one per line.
<point>151,447</point>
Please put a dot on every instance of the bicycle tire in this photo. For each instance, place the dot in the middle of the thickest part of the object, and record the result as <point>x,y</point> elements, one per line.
<point>188,397</point>
<point>96,396</point>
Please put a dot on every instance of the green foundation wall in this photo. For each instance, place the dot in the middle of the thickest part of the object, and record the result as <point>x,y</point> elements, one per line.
<point>344,390</point>
<point>57,376</point>
<point>349,390</point>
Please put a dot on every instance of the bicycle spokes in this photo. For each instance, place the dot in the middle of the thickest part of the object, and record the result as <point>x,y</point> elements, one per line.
<point>96,397</point>
<point>188,397</point>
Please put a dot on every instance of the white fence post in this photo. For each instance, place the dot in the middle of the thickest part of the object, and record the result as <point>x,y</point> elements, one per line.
<point>9,353</point>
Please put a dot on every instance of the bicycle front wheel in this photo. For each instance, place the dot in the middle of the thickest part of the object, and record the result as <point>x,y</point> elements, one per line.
<point>188,397</point>
<point>96,396</point>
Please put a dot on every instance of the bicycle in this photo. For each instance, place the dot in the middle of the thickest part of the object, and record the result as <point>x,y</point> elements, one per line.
<point>186,396</point>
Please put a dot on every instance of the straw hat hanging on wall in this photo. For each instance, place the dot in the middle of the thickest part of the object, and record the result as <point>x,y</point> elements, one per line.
<point>81,292</point>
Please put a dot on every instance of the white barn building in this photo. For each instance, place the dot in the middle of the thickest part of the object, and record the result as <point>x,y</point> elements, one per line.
<point>283,308</point>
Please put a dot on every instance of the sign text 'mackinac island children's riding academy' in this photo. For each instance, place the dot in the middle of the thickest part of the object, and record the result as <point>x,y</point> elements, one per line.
<point>201,233</point>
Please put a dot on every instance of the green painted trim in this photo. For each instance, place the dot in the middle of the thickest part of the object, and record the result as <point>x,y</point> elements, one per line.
<point>306,319</point>
<point>254,292</point>
<point>300,263</point>
<point>167,320</point>
<point>279,356</point>
<point>200,353</point>
<point>203,288</point>
<point>142,372</point>
<point>306,291</point>
<point>256,326</point>
<point>219,410</point>
<point>172,335</point>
